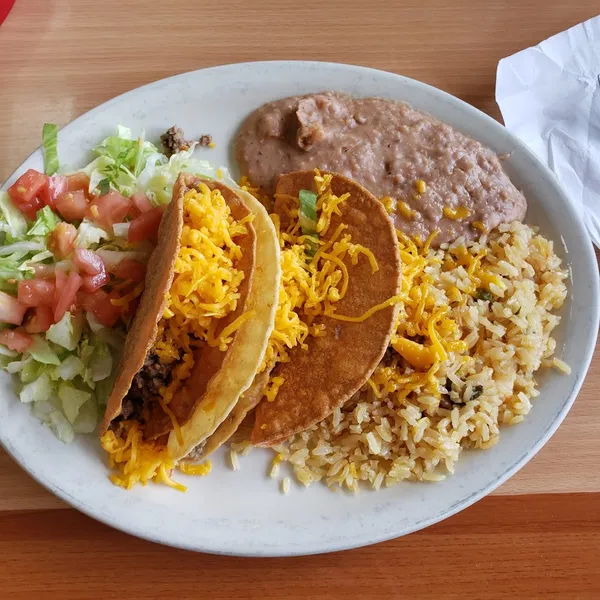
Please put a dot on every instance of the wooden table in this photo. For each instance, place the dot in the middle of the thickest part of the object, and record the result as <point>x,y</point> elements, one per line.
<point>538,536</point>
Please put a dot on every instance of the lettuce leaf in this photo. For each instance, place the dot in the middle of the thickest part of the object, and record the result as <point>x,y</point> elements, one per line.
<point>45,222</point>
<point>11,219</point>
<point>50,148</point>
<point>67,332</point>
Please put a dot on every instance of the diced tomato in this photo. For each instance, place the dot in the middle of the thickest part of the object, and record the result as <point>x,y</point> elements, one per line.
<point>35,292</point>
<point>16,339</point>
<point>88,262</point>
<point>55,186</point>
<point>60,280</point>
<point>11,310</point>
<point>72,205</point>
<point>43,271</point>
<point>131,270</point>
<point>91,283</point>
<point>108,209</point>
<point>39,319</point>
<point>141,203</point>
<point>100,305</point>
<point>27,187</point>
<point>61,239</point>
<point>78,181</point>
<point>145,227</point>
<point>67,296</point>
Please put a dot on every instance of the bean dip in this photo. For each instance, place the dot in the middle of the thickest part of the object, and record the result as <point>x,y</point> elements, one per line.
<point>429,176</point>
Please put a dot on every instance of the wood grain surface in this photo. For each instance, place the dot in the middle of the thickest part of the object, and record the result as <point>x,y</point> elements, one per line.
<point>58,58</point>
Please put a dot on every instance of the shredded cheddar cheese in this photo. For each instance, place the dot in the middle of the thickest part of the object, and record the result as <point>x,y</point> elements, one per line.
<point>205,289</point>
<point>426,332</point>
<point>140,461</point>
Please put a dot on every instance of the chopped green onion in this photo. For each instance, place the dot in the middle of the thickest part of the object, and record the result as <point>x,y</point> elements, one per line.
<point>50,147</point>
<point>307,215</point>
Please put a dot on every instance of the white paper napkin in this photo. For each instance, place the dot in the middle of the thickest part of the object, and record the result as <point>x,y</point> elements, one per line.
<point>549,96</point>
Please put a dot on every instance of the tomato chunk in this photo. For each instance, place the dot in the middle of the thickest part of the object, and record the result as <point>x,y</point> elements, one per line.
<point>72,205</point>
<point>67,296</point>
<point>91,283</point>
<point>145,227</point>
<point>60,279</point>
<point>11,310</point>
<point>55,186</point>
<point>25,190</point>
<point>16,339</point>
<point>39,319</point>
<point>62,238</point>
<point>88,261</point>
<point>99,304</point>
<point>35,292</point>
<point>141,202</point>
<point>78,181</point>
<point>131,270</point>
<point>109,209</point>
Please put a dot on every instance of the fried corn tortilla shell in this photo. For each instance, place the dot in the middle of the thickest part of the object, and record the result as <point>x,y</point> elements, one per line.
<point>218,378</point>
<point>144,328</point>
<point>223,381</point>
<point>335,366</point>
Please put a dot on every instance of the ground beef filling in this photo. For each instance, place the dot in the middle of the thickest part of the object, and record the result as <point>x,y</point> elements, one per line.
<point>433,177</point>
<point>143,397</point>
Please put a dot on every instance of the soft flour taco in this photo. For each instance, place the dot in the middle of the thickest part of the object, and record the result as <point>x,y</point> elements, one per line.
<point>200,331</point>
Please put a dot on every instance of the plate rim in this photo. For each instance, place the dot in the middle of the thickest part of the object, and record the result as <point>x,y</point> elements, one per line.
<point>369,539</point>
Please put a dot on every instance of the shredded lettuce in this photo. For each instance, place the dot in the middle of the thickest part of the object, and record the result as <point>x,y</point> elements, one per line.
<point>50,148</point>
<point>36,390</point>
<point>42,352</point>
<point>159,174</point>
<point>45,222</point>
<point>101,361</point>
<point>12,220</point>
<point>72,399</point>
<point>89,234</point>
<point>67,332</point>
<point>87,419</point>
<point>69,368</point>
<point>307,216</point>
<point>60,426</point>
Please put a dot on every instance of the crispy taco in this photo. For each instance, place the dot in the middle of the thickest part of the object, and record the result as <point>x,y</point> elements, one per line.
<point>338,297</point>
<point>199,334</point>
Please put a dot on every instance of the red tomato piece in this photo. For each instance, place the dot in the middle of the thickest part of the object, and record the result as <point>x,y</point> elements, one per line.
<point>25,189</point>
<point>141,202</point>
<point>35,292</point>
<point>88,262</point>
<point>130,269</point>
<point>72,205</point>
<point>56,185</point>
<point>108,209</point>
<point>78,181</point>
<point>68,295</point>
<point>11,310</point>
<point>16,339</point>
<point>91,283</point>
<point>60,279</point>
<point>30,210</point>
<point>43,271</point>
<point>100,305</point>
<point>39,319</point>
<point>61,239</point>
<point>145,227</point>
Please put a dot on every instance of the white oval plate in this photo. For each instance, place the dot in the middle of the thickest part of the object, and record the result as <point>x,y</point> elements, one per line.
<point>243,512</point>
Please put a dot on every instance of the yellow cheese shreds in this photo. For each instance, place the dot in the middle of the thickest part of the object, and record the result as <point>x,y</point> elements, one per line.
<point>206,282</point>
<point>271,389</point>
<point>456,214</point>
<point>426,313</point>
<point>310,287</point>
<point>138,461</point>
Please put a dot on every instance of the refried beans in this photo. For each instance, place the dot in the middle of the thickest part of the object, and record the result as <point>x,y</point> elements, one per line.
<point>429,176</point>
